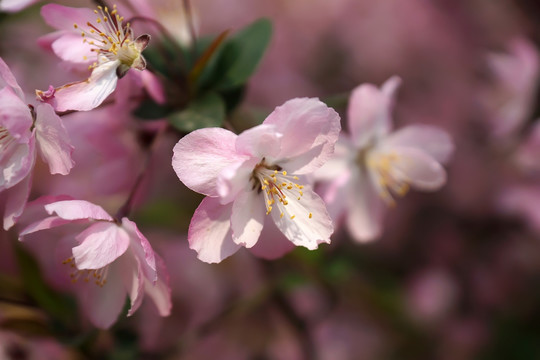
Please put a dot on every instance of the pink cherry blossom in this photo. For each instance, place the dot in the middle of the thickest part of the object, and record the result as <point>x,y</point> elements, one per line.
<point>111,258</point>
<point>25,131</point>
<point>100,39</point>
<point>372,164</point>
<point>261,171</point>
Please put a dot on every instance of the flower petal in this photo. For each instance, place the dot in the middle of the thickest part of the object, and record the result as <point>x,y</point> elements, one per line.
<point>202,155</point>
<point>310,130</point>
<point>90,93</point>
<point>430,139</point>
<point>132,279</point>
<point>17,196</point>
<point>160,292</point>
<point>247,218</point>
<point>210,231</point>
<point>100,245</point>
<point>77,209</point>
<point>15,116</point>
<point>7,79</point>
<point>63,17</point>
<point>259,141</point>
<point>70,47</point>
<point>305,222</point>
<point>16,163</point>
<point>235,179</point>
<point>141,249</point>
<point>369,111</point>
<point>53,141</point>
<point>102,305</point>
<point>365,209</point>
<point>418,169</point>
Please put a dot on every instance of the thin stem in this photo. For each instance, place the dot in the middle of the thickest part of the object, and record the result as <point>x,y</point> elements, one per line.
<point>191,24</point>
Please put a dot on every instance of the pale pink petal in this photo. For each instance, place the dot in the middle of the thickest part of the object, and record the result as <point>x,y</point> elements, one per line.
<point>297,224</point>
<point>47,223</point>
<point>100,245</point>
<point>88,94</point>
<point>53,141</point>
<point>430,139</point>
<point>70,47</point>
<point>141,249</point>
<point>132,279</point>
<point>15,5</point>
<point>7,79</point>
<point>369,111</point>
<point>15,116</point>
<point>77,209</point>
<point>17,162</point>
<point>210,231</point>
<point>310,130</point>
<point>202,155</point>
<point>259,141</point>
<point>418,169</point>
<point>63,17</point>
<point>247,219</point>
<point>160,292</point>
<point>272,243</point>
<point>336,193</point>
<point>234,179</point>
<point>102,305</point>
<point>340,162</point>
<point>17,196</point>
<point>366,209</point>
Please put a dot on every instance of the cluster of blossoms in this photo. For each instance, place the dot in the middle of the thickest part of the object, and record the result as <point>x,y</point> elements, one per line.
<point>259,184</point>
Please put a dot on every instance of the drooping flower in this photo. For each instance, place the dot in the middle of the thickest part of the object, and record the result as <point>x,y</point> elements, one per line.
<point>99,38</point>
<point>110,259</point>
<point>372,165</point>
<point>257,177</point>
<point>25,131</point>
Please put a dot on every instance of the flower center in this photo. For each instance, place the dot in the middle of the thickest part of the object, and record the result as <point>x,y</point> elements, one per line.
<point>390,179</point>
<point>278,188</point>
<point>98,276</point>
<point>110,37</point>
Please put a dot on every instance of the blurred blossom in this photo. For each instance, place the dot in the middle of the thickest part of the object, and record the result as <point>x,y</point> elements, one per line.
<point>516,74</point>
<point>431,295</point>
<point>15,5</point>
<point>245,175</point>
<point>101,40</point>
<point>373,165</point>
<point>522,201</point>
<point>111,257</point>
<point>24,132</point>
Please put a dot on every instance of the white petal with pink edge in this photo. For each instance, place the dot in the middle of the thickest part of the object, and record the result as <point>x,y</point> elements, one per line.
<point>247,218</point>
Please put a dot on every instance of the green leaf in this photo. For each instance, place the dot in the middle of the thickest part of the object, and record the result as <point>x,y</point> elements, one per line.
<point>205,111</point>
<point>243,52</point>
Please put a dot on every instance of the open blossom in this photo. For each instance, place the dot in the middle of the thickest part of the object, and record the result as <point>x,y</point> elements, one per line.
<point>111,258</point>
<point>25,131</point>
<point>258,177</point>
<point>372,164</point>
<point>99,38</point>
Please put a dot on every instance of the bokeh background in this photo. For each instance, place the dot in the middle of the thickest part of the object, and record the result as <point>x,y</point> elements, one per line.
<point>456,274</point>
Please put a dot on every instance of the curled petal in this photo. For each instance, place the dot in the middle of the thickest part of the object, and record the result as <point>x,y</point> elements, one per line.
<point>100,245</point>
<point>160,292</point>
<point>90,93</point>
<point>53,141</point>
<point>17,196</point>
<point>141,249</point>
<point>77,209</point>
<point>210,231</point>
